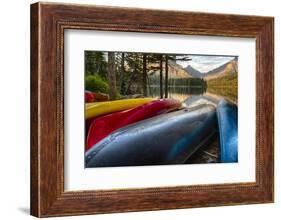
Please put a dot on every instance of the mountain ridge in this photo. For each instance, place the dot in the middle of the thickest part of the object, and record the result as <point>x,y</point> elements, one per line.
<point>228,68</point>
<point>224,69</point>
<point>193,72</point>
<point>176,71</point>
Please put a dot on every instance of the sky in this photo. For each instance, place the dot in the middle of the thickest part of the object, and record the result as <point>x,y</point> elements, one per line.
<point>202,63</point>
<point>205,63</point>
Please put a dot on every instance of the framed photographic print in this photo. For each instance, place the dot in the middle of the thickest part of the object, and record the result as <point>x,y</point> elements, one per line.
<point>138,109</point>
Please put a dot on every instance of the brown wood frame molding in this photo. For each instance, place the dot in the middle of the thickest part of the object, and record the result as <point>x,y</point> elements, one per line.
<point>48,22</point>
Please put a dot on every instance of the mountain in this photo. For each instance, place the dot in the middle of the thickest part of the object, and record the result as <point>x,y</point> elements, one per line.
<point>193,72</point>
<point>224,80</point>
<point>228,68</point>
<point>175,70</point>
<point>225,69</point>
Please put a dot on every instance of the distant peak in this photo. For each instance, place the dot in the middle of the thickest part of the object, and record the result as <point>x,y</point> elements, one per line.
<point>193,72</point>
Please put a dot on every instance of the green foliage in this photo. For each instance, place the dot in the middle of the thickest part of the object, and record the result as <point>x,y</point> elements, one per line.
<point>95,63</point>
<point>96,83</point>
<point>129,81</point>
<point>189,82</point>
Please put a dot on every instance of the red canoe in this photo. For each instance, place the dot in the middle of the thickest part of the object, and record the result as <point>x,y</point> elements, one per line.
<point>95,97</point>
<point>102,126</point>
<point>89,96</point>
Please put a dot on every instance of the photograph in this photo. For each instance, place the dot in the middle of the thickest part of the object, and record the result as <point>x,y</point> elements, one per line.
<point>144,109</point>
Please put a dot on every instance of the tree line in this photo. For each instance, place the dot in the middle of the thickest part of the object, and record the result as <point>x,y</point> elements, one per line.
<point>125,73</point>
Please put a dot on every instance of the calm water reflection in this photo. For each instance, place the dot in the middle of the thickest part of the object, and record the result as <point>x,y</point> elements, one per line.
<point>190,94</point>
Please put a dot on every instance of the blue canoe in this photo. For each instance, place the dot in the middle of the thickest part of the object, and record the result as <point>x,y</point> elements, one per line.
<point>165,139</point>
<point>228,129</point>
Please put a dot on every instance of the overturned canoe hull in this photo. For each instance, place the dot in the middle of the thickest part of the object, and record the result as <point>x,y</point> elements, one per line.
<point>165,139</point>
<point>227,114</point>
<point>102,126</point>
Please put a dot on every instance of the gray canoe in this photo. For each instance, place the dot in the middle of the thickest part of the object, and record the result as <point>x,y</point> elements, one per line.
<point>165,139</point>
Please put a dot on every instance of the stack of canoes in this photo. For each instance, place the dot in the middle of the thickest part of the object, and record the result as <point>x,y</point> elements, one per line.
<point>100,127</point>
<point>145,131</point>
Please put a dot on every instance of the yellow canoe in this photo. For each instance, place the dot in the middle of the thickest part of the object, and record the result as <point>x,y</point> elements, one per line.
<point>102,108</point>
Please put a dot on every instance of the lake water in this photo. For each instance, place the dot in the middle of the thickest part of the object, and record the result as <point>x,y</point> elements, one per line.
<point>189,95</point>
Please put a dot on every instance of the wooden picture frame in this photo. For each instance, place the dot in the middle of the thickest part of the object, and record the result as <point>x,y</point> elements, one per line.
<point>48,22</point>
